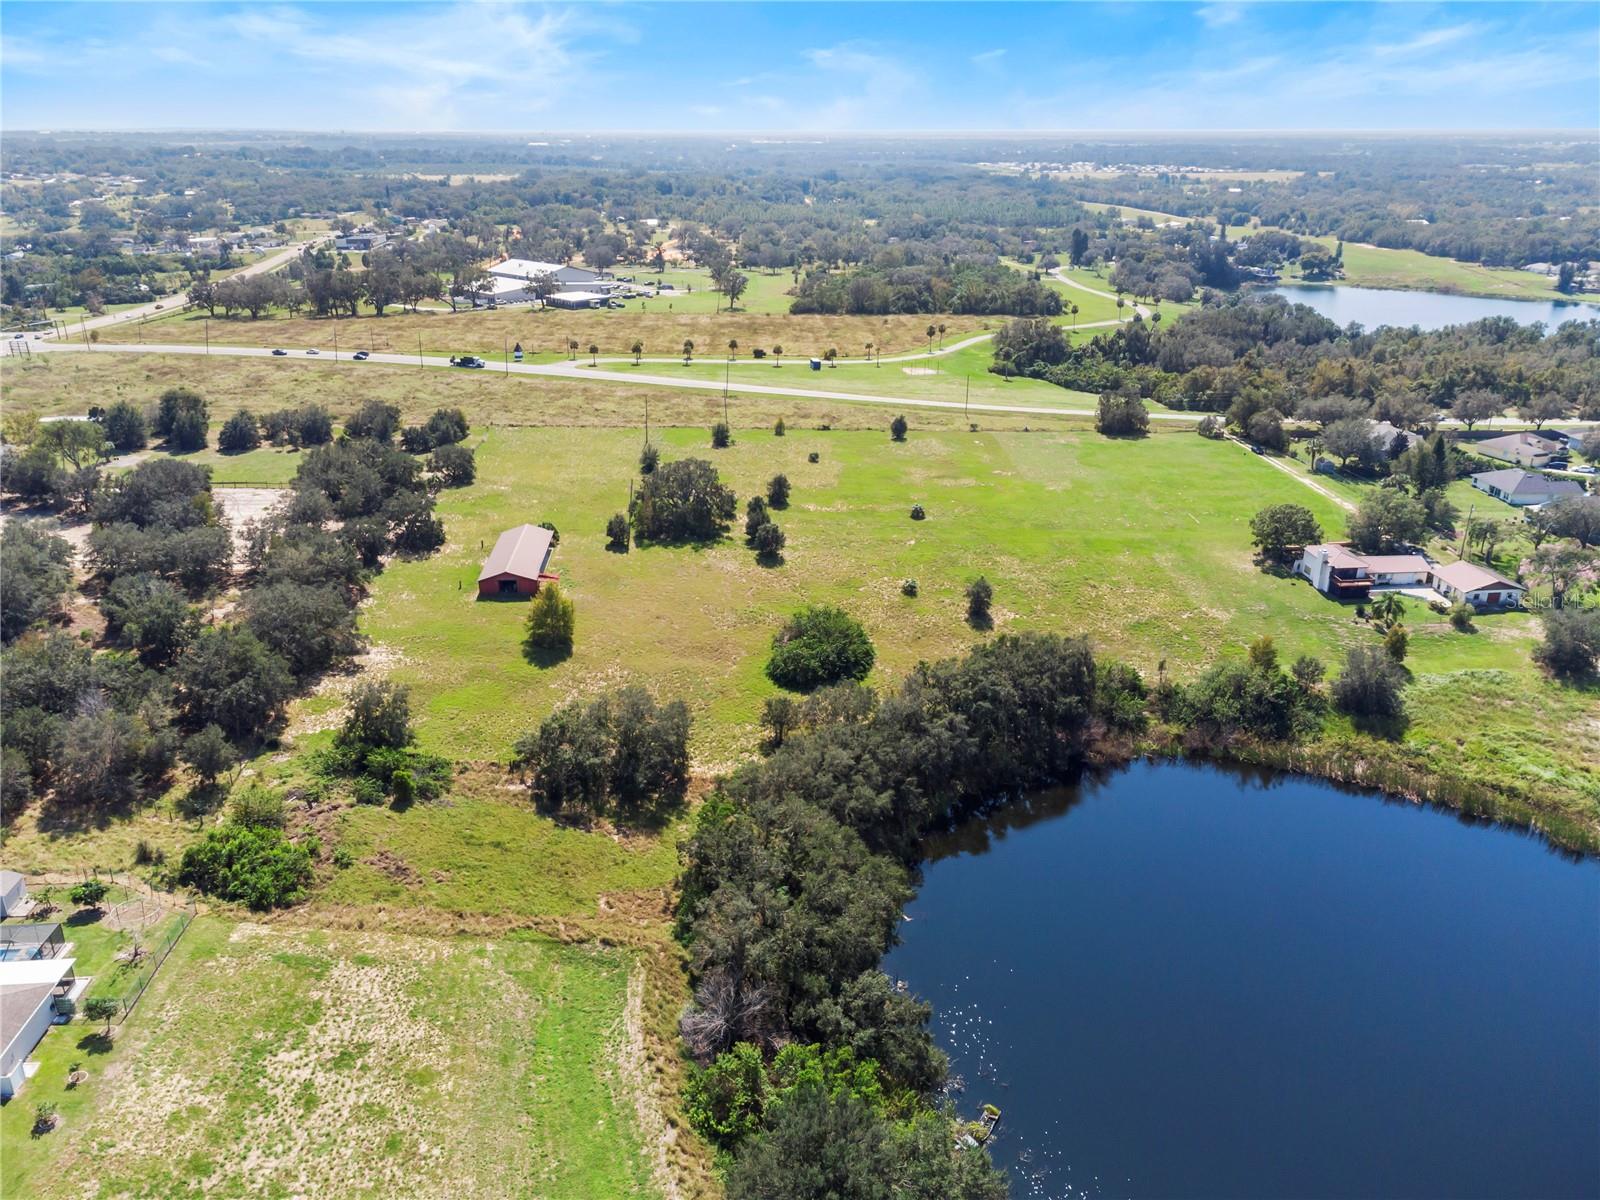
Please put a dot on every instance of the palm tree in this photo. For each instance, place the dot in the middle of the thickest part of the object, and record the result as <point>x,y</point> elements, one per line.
<point>941,335</point>
<point>932,329</point>
<point>572,348</point>
<point>832,355</point>
<point>1073,309</point>
<point>733,349</point>
<point>638,349</point>
<point>869,351</point>
<point>594,351</point>
<point>1120,303</point>
<point>688,351</point>
<point>777,356</point>
<point>1388,609</point>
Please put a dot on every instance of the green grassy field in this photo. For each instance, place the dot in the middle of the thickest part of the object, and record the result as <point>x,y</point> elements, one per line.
<point>272,1061</point>
<point>1141,545</point>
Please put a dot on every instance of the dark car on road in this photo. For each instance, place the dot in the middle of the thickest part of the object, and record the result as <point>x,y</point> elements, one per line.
<point>280,353</point>
<point>467,360</point>
<point>363,355</point>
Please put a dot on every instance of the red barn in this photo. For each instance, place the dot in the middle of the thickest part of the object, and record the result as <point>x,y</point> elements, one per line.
<point>515,566</point>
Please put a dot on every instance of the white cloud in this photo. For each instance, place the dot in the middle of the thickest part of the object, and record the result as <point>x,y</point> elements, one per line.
<point>988,57</point>
<point>1216,15</point>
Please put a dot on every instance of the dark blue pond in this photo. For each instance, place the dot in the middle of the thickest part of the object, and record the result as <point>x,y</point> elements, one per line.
<point>1182,981</point>
<point>1373,307</point>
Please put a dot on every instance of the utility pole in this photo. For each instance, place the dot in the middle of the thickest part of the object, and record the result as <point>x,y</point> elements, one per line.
<point>646,426</point>
<point>336,339</point>
<point>505,353</point>
<point>966,404</point>
<point>419,351</point>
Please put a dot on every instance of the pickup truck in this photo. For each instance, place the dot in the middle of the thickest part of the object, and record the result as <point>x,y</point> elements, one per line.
<point>467,360</point>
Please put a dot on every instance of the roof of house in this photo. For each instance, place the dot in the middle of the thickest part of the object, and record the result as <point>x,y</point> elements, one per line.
<point>18,1003</point>
<point>9,880</point>
<point>1519,441</point>
<point>1515,482</point>
<point>1395,564</point>
<point>522,551</point>
<point>1339,554</point>
<point>1384,433</point>
<point>1470,577</point>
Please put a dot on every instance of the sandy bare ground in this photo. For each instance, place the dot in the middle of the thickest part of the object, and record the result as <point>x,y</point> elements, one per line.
<point>242,505</point>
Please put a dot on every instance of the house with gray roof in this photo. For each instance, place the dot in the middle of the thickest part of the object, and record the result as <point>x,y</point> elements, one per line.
<point>1523,489</point>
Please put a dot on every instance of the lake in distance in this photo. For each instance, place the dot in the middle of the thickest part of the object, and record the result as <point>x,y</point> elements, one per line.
<point>1184,981</point>
<point>1372,307</point>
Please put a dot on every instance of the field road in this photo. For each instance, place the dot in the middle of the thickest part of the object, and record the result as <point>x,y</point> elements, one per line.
<point>167,304</point>
<point>571,370</point>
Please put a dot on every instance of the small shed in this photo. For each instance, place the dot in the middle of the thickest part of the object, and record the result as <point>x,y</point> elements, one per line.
<point>516,565</point>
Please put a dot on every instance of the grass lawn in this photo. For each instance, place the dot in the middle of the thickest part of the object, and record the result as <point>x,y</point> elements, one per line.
<point>490,333</point>
<point>273,1061</point>
<point>1141,545</point>
<point>1375,266</point>
<point>50,385</point>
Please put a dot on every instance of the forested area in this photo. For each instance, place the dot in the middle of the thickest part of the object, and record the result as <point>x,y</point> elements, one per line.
<point>206,635</point>
<point>1243,354</point>
<point>878,225</point>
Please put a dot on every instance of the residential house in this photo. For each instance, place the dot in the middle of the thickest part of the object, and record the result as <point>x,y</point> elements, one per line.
<point>1478,586</point>
<point>1520,488</point>
<point>516,565</point>
<point>1391,439</point>
<point>37,989</point>
<point>1336,569</point>
<point>1524,449</point>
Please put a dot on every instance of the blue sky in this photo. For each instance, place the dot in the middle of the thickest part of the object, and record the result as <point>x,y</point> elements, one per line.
<point>472,65</point>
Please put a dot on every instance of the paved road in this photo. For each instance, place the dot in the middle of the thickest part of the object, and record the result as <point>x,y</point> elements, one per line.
<point>1060,275</point>
<point>164,304</point>
<point>571,370</point>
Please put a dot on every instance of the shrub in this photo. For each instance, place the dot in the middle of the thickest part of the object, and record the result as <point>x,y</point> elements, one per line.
<point>239,433</point>
<point>979,597</point>
<point>551,622</point>
<point>768,541</point>
<point>555,534</point>
<point>343,859</point>
<point>908,588</point>
<point>1121,416</point>
<point>778,491</point>
<point>813,457</point>
<point>819,645</point>
<point>1571,645</point>
<point>379,718</point>
<point>453,465</point>
<point>621,748</point>
<point>897,429</point>
<point>755,516</point>
<point>721,436</point>
<point>918,512</point>
<point>209,755</point>
<point>1370,685</point>
<point>368,790</point>
<point>1211,426</point>
<point>91,893</point>
<point>257,806</point>
<point>1461,614</point>
<point>125,427</point>
<point>617,532</point>
<point>682,501</point>
<point>777,429</point>
<point>1395,642</point>
<point>247,864</point>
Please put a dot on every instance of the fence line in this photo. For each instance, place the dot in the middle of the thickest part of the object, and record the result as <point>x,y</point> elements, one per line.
<point>126,1004</point>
